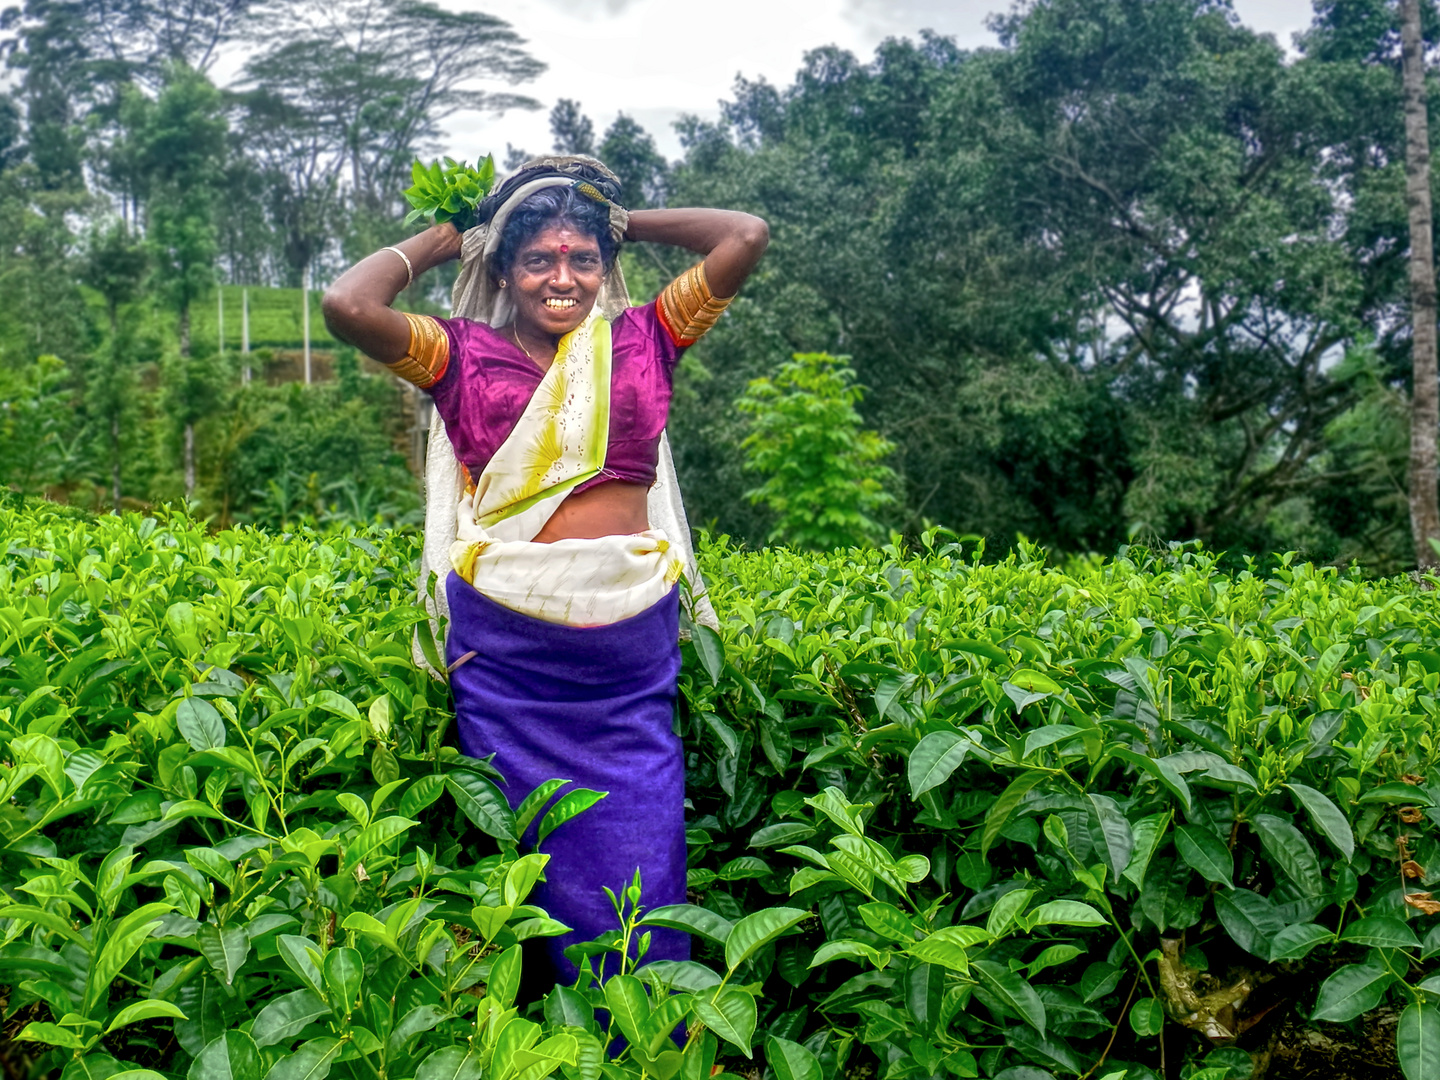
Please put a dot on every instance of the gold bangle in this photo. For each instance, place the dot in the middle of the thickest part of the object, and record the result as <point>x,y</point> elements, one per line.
<point>409,270</point>
<point>688,309</point>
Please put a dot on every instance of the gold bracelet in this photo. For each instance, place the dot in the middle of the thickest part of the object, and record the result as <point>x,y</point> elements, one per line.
<point>409,270</point>
<point>688,309</point>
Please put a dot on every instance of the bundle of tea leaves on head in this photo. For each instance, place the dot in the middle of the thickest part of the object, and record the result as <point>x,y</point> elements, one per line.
<point>449,192</point>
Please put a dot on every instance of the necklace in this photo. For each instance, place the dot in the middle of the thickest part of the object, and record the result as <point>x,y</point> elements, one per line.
<point>516,335</point>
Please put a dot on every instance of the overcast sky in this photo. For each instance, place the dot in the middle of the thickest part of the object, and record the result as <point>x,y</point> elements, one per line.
<point>657,59</point>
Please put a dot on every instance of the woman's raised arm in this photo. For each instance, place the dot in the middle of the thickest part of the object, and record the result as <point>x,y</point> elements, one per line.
<point>732,242</point>
<point>357,307</point>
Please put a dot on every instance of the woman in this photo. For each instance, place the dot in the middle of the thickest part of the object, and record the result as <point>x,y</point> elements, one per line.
<point>563,601</point>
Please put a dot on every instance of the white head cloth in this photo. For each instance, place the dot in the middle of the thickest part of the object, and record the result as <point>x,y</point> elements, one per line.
<point>476,297</point>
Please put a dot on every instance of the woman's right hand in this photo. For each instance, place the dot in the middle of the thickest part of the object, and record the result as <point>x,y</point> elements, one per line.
<point>357,306</point>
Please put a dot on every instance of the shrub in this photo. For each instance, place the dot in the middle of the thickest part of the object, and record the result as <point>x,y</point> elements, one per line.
<point>1039,811</point>
<point>950,819</point>
<point>823,477</point>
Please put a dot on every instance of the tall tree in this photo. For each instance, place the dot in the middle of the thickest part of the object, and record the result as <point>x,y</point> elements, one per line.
<point>115,267</point>
<point>571,129</point>
<point>376,77</point>
<point>1425,401</point>
<point>181,138</point>
<point>630,152</point>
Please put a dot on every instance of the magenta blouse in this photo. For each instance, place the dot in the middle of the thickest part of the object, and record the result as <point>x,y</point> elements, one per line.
<point>489,380</point>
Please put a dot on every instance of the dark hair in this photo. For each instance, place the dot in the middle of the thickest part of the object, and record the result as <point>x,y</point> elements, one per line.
<point>549,207</point>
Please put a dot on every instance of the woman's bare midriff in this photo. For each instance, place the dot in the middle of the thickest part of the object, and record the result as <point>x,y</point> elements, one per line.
<point>612,508</point>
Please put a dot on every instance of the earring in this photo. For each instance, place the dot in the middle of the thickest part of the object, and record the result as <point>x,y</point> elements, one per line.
<point>502,282</point>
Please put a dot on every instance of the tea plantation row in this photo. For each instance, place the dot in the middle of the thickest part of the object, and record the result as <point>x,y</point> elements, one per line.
<point>949,819</point>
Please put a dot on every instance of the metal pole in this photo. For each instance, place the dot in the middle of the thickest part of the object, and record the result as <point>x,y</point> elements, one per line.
<point>245,335</point>
<point>305,320</point>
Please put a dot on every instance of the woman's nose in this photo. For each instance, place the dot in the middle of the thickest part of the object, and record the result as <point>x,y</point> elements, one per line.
<point>562,274</point>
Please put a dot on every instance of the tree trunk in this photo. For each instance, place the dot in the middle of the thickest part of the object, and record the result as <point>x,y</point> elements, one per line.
<point>189,460</point>
<point>115,459</point>
<point>115,405</point>
<point>1425,405</point>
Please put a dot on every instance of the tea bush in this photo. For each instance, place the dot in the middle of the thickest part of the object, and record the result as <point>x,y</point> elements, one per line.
<point>1044,814</point>
<point>949,819</point>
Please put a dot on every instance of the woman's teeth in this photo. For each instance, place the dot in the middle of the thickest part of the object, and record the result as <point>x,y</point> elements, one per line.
<point>560,304</point>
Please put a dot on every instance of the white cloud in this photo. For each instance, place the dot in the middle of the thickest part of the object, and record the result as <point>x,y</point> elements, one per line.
<point>656,59</point>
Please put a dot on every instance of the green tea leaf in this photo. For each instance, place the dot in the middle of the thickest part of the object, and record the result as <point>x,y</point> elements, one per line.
<point>1417,1041</point>
<point>1354,989</point>
<point>791,1061</point>
<point>934,759</point>
<point>286,1016</point>
<point>757,930</point>
<point>232,1056</point>
<point>571,805</point>
<point>1327,817</point>
<point>731,1015</point>
<point>691,918</point>
<point>1206,854</point>
<point>1013,991</point>
<point>1147,1017</point>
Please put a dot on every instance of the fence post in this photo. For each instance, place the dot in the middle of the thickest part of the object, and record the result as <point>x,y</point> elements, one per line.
<point>245,336</point>
<point>305,319</point>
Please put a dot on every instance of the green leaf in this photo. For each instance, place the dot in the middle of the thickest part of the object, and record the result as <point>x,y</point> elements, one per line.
<point>1380,932</point>
<point>711,650</point>
<point>232,1056</point>
<point>888,921</point>
<point>482,803</point>
<point>567,1007</point>
<point>1006,909</point>
<point>51,1035</point>
<point>533,803</point>
<point>1013,991</point>
<point>504,982</point>
<point>297,954</point>
<point>421,794</point>
<point>1160,770</point>
<point>628,1003</point>
<point>1147,1017</point>
<point>998,816</point>
<point>144,1010</point>
<point>1206,854</point>
<point>1250,919</point>
<point>286,1016</point>
<point>571,805</point>
<point>1295,942</point>
<point>1354,989</point>
<point>1327,817</point>
<point>344,971</point>
<point>1148,832</point>
<point>1417,1042</point>
<point>1397,793</point>
<point>731,1015</point>
<point>311,1062</point>
<point>1065,913</point>
<point>1287,846</point>
<point>375,836</point>
<point>693,919</point>
<point>200,725</point>
<point>450,1063</point>
<point>1119,840</point>
<point>934,759</point>
<point>225,949</point>
<point>757,930</point>
<point>791,1061</point>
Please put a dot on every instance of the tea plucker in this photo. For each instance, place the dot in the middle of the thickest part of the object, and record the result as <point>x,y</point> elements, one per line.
<point>563,597</point>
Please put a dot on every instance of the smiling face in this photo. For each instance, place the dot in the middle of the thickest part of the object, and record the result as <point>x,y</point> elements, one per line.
<point>554,280</point>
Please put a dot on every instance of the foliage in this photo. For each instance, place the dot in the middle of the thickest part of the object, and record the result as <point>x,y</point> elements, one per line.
<point>1037,812</point>
<point>259,841</point>
<point>824,480</point>
<point>448,194</point>
<point>1036,809</point>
